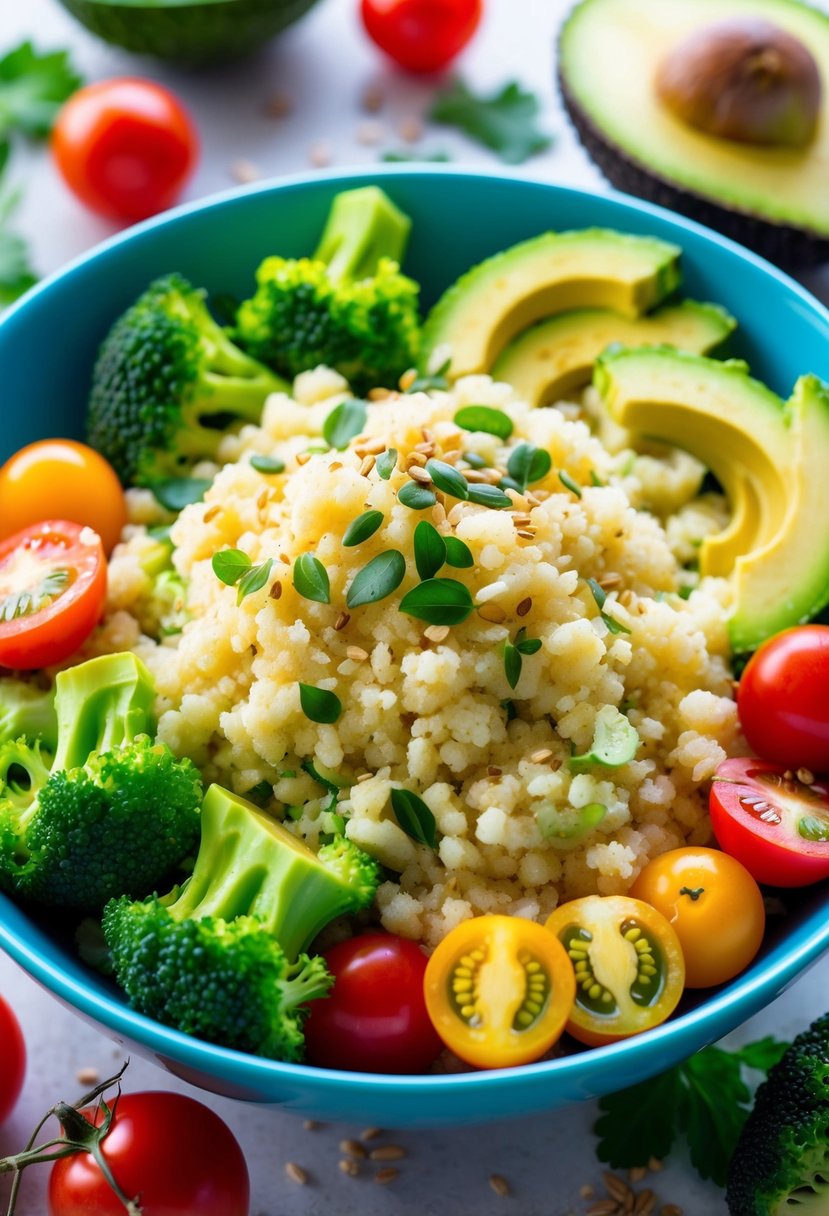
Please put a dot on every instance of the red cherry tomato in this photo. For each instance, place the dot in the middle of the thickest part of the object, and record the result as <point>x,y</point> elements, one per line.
<point>776,825</point>
<point>421,35</point>
<point>12,1060</point>
<point>170,1150</point>
<point>126,147</point>
<point>783,701</point>
<point>53,581</point>
<point>374,1019</point>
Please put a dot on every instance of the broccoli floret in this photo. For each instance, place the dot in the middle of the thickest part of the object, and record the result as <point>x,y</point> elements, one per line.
<point>161,609</point>
<point>781,1163</point>
<point>167,383</point>
<point>221,958</point>
<point>348,307</point>
<point>27,712</point>
<point>113,812</point>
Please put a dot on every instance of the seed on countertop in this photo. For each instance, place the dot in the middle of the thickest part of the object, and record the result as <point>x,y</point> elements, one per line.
<point>378,394</point>
<point>87,1076</point>
<point>388,1152</point>
<point>670,1209</point>
<point>370,1133</point>
<point>645,1203</point>
<point>279,105</point>
<point>348,1166</point>
<point>616,1186</point>
<point>244,171</point>
<point>436,633</point>
<point>370,133</point>
<point>311,1125</point>
<point>805,776</point>
<point>373,99</point>
<point>418,474</point>
<point>586,1191</point>
<point>524,607</point>
<point>493,613</point>
<point>319,154</point>
<point>542,755</point>
<point>410,129</point>
<point>356,654</point>
<point>499,1185</point>
<point>276,590</point>
<point>354,1148</point>
<point>387,1175</point>
<point>605,1207</point>
<point>654,1165</point>
<point>211,513</point>
<point>341,621</point>
<point>296,1173</point>
<point>407,379</point>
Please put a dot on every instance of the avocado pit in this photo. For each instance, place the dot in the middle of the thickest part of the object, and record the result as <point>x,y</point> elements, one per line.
<point>744,79</point>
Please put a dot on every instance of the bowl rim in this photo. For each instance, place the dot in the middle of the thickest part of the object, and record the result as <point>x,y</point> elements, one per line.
<point>753,989</point>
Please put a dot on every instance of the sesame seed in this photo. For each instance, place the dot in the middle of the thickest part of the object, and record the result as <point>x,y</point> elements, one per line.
<point>541,756</point>
<point>276,590</point>
<point>296,1173</point>
<point>244,171</point>
<point>386,1175</point>
<point>541,496</point>
<point>388,1152</point>
<point>365,777</point>
<point>341,621</point>
<point>531,499</point>
<point>373,99</point>
<point>416,459</point>
<point>476,476</point>
<point>354,1148</point>
<point>283,557</point>
<point>493,771</point>
<point>586,1191</point>
<point>427,447</point>
<point>436,633</point>
<point>262,500</point>
<point>438,513</point>
<point>348,1166</point>
<point>373,447</point>
<point>407,379</point>
<point>524,607</point>
<point>499,1185</point>
<point>303,457</point>
<point>609,580</point>
<point>370,133</point>
<point>311,1125</point>
<point>805,776</point>
<point>378,394</point>
<point>493,613</point>
<point>356,654</point>
<point>410,129</point>
<point>526,533</point>
<point>616,1186</point>
<point>319,154</point>
<point>418,474</point>
<point>369,1133</point>
<point>87,1076</point>
<point>279,105</point>
<point>636,1173</point>
<point>645,1203</point>
<point>367,465</point>
<point>521,519</point>
<point>211,513</point>
<point>456,514</point>
<point>452,456</point>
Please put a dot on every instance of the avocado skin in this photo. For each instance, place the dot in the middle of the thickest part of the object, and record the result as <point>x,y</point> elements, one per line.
<point>189,34</point>
<point>784,244</point>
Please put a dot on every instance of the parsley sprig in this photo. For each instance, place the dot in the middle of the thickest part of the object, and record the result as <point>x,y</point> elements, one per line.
<point>505,121</point>
<point>235,569</point>
<point>514,655</point>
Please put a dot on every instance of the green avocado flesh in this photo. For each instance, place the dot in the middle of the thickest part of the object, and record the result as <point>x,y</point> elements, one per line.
<point>609,53</point>
<point>555,357</point>
<point>192,32</point>
<point>774,453</point>
<point>556,272</point>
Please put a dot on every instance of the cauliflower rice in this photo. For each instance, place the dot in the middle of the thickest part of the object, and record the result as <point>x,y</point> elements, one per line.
<point>430,708</point>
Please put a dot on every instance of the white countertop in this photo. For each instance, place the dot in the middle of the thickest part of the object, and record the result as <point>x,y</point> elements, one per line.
<point>324,64</point>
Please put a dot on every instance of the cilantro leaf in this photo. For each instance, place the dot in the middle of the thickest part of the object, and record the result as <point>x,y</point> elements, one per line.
<point>763,1054</point>
<point>33,87</point>
<point>505,121</point>
<point>16,274</point>
<point>639,1123</point>
<point>714,1110</point>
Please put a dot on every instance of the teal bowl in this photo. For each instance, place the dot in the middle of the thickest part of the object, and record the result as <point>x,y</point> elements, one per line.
<point>47,345</point>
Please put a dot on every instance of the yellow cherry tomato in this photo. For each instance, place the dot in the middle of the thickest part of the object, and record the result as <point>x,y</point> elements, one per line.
<point>714,905</point>
<point>499,990</point>
<point>627,963</point>
<point>61,479</point>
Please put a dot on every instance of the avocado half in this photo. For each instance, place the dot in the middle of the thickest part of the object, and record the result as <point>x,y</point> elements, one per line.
<point>775,200</point>
<point>189,32</point>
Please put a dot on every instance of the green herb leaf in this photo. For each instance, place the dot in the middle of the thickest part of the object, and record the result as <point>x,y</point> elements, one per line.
<point>424,384</point>
<point>595,479</point>
<point>33,87</point>
<point>383,574</point>
<point>438,601</point>
<point>599,593</point>
<point>385,462</point>
<point>615,742</point>
<point>414,817</point>
<point>229,565</point>
<point>568,483</point>
<point>16,274</point>
<point>448,479</point>
<point>362,528</point>
<point>176,493</point>
<point>639,1122</point>
<point>409,155</point>
<point>319,704</point>
<point>489,496</point>
<point>429,549</point>
<point>484,418</point>
<point>267,464</point>
<point>528,645</point>
<point>344,422</point>
<point>600,596</point>
<point>711,1124</point>
<point>253,579</point>
<point>474,460</point>
<point>613,625</point>
<point>458,554</point>
<point>417,496</point>
<point>763,1054</point>
<point>527,464</point>
<point>512,664</point>
<point>311,579</point>
<point>504,121</point>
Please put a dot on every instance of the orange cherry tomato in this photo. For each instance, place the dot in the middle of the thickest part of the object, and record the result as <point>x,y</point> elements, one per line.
<point>499,990</point>
<point>628,966</point>
<point>53,580</point>
<point>714,905</point>
<point>61,479</point>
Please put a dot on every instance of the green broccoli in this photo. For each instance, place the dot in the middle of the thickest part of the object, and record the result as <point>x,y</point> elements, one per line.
<point>161,609</point>
<point>27,712</point>
<point>112,812</point>
<point>221,958</point>
<point>167,383</point>
<point>348,307</point>
<point>781,1163</point>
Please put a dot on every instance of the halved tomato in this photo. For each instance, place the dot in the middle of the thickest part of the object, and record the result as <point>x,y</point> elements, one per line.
<point>53,579</point>
<point>499,990</point>
<point>628,965</point>
<point>774,823</point>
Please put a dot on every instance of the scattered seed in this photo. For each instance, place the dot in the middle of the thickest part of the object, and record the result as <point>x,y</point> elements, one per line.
<point>348,1166</point>
<point>407,379</point>
<point>636,1173</point>
<point>319,154</point>
<point>410,129</point>
<point>605,1207</point>
<point>427,447</point>
<point>279,105</point>
<point>670,1209</point>
<point>531,499</point>
<point>372,447</point>
<point>493,771</point>
<point>499,1185</point>
<point>616,1186</point>
<point>521,519</point>
<point>378,394</point>
<point>388,1152</point>
<point>524,607</point>
<point>244,171</point>
<point>542,755</point>
<point>369,1133</point>
<point>296,1173</point>
<point>365,777</point>
<point>456,514</point>
<point>438,513</point>
<point>341,621</point>
<point>805,776</point>
<point>416,460</point>
<point>386,1175</point>
<point>262,500</point>
<point>356,654</point>
<point>303,457</point>
<point>654,1165</point>
<point>452,456</point>
<point>586,1191</point>
<point>493,613</point>
<point>276,590</point>
<point>418,474</point>
<point>610,580</point>
<point>526,533</point>
<point>370,133</point>
<point>211,513</point>
<point>436,633</point>
<point>311,1125</point>
<point>476,476</point>
<point>87,1076</point>
<point>645,1203</point>
<point>354,1148</point>
<point>283,557</point>
<point>367,465</point>
<point>373,99</point>
<point>540,496</point>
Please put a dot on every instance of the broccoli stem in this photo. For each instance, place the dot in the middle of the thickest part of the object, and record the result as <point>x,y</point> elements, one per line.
<point>249,865</point>
<point>100,705</point>
<point>363,226</point>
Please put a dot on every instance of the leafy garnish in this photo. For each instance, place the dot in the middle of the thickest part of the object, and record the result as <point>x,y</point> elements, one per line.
<point>527,464</point>
<point>414,817</point>
<point>267,464</point>
<point>417,496</point>
<point>254,579</point>
<point>438,601</point>
<point>235,569</point>
<point>176,493</point>
<point>385,463</point>
<point>429,549</point>
<point>600,596</point>
<point>448,479</point>
<point>514,652</point>
<point>33,87</point>
<point>437,380</point>
<point>484,418</point>
<point>311,579</point>
<point>504,121</point>
<point>408,155</point>
<point>362,528</point>
<point>474,460</point>
<point>569,483</point>
<point>706,1098</point>
<point>319,704</point>
<point>345,421</point>
<point>383,574</point>
<point>458,554</point>
<point>489,496</point>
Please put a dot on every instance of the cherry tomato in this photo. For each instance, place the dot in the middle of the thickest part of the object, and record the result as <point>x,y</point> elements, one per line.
<point>714,905</point>
<point>61,479</point>
<point>421,35</point>
<point>775,824</point>
<point>126,147</point>
<point>12,1060</point>
<point>628,966</point>
<point>374,1019</point>
<point>53,581</point>
<point>170,1150</point>
<point>499,990</point>
<point>783,702</point>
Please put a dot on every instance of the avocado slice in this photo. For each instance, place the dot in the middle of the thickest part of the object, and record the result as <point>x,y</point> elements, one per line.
<point>749,438</point>
<point>474,320</point>
<point>555,357</point>
<point>190,32</point>
<point>773,199</point>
